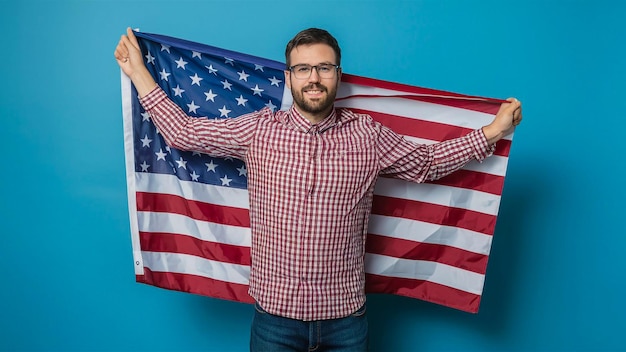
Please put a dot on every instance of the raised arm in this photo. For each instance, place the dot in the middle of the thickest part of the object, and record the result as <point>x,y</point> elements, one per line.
<point>128,56</point>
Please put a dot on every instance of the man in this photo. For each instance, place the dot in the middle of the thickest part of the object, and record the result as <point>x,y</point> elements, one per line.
<point>311,176</point>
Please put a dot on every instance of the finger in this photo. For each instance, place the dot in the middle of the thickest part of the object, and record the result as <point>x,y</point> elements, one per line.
<point>131,36</point>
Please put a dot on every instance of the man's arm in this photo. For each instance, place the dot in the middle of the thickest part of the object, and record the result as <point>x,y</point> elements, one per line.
<point>128,56</point>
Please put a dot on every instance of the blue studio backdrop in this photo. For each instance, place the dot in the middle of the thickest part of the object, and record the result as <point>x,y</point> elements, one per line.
<point>555,279</point>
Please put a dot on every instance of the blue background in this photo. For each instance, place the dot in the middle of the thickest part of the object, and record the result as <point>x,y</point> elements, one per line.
<point>555,279</point>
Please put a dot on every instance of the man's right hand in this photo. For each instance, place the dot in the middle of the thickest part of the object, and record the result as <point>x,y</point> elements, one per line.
<point>128,56</point>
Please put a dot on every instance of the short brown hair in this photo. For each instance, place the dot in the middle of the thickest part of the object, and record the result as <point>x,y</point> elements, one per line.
<point>313,36</point>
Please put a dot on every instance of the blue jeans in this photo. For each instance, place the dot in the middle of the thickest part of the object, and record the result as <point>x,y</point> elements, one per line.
<point>274,333</point>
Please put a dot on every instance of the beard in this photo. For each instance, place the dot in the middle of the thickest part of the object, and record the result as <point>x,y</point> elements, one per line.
<point>316,106</point>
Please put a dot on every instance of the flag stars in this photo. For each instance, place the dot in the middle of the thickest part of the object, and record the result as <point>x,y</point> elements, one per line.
<point>195,79</point>
<point>165,48</point>
<point>145,116</point>
<point>256,90</point>
<point>192,107</point>
<point>211,69</point>
<point>243,76</point>
<point>144,166</point>
<point>275,81</point>
<point>150,58</point>
<point>145,141</point>
<point>164,75</point>
<point>227,85</point>
<point>210,166</point>
<point>241,100</point>
<point>243,171</point>
<point>178,92</point>
<point>160,155</point>
<point>229,61</point>
<point>271,106</point>
<point>180,63</point>
<point>225,180</point>
<point>196,54</point>
<point>224,112</point>
<point>258,67</point>
<point>181,163</point>
<point>210,95</point>
<point>194,176</point>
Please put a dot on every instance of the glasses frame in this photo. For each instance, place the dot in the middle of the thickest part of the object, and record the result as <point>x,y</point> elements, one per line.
<point>291,69</point>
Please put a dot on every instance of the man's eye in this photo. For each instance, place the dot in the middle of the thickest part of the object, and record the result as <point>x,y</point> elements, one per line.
<point>303,69</point>
<point>324,68</point>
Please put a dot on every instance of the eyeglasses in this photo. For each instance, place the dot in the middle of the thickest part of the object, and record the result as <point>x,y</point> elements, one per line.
<point>303,71</point>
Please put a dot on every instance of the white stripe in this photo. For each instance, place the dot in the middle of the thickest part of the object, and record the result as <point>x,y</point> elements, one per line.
<point>442,274</point>
<point>437,194</point>
<point>127,114</point>
<point>419,231</point>
<point>170,184</point>
<point>193,265</point>
<point>203,230</point>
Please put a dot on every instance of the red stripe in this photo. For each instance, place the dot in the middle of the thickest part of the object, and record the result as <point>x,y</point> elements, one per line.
<point>401,248</point>
<point>177,243</point>
<point>196,284</point>
<point>427,130</point>
<point>425,290</point>
<point>470,102</point>
<point>434,214</point>
<point>167,203</point>
<point>474,180</point>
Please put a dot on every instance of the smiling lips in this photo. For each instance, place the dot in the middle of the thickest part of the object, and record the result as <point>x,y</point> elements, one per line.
<point>314,91</point>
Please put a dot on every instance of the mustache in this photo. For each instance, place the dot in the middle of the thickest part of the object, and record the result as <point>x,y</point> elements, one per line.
<point>315,87</point>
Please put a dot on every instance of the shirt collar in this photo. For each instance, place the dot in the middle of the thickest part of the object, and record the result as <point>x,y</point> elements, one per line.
<point>306,126</point>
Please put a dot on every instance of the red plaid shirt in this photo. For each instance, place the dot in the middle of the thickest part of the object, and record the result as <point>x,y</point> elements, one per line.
<point>311,190</point>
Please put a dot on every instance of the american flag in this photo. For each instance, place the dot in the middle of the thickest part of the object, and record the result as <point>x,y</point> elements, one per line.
<point>189,211</point>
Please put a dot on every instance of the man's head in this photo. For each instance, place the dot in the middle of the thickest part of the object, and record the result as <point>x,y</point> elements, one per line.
<point>313,72</point>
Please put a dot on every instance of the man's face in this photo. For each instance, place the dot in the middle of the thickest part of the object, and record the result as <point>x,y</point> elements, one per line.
<point>314,96</point>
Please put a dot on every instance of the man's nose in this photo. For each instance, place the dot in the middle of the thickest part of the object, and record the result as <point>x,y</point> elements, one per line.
<point>314,77</point>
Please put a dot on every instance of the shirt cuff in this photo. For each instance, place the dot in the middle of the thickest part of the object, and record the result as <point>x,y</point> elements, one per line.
<point>151,99</point>
<point>482,149</point>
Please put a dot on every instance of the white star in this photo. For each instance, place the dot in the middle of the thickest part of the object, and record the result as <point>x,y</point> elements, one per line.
<point>167,147</point>
<point>243,76</point>
<point>144,166</point>
<point>164,75</point>
<point>145,141</point>
<point>224,112</point>
<point>211,69</point>
<point>196,54</point>
<point>178,92</point>
<point>181,163</point>
<point>192,107</point>
<point>225,180</point>
<point>210,166</point>
<point>257,90</point>
<point>275,81</point>
<point>145,116</point>
<point>165,47</point>
<point>229,61</point>
<point>161,155</point>
<point>258,67</point>
<point>180,63</point>
<point>271,106</point>
<point>210,96</point>
<point>195,153</point>
<point>241,100</point>
<point>243,171</point>
<point>195,79</point>
<point>227,85</point>
<point>150,58</point>
<point>194,176</point>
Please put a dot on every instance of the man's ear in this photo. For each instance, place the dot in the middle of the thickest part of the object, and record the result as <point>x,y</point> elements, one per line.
<point>288,78</point>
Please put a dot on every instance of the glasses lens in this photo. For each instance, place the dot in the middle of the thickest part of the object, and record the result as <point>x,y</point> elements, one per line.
<point>303,71</point>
